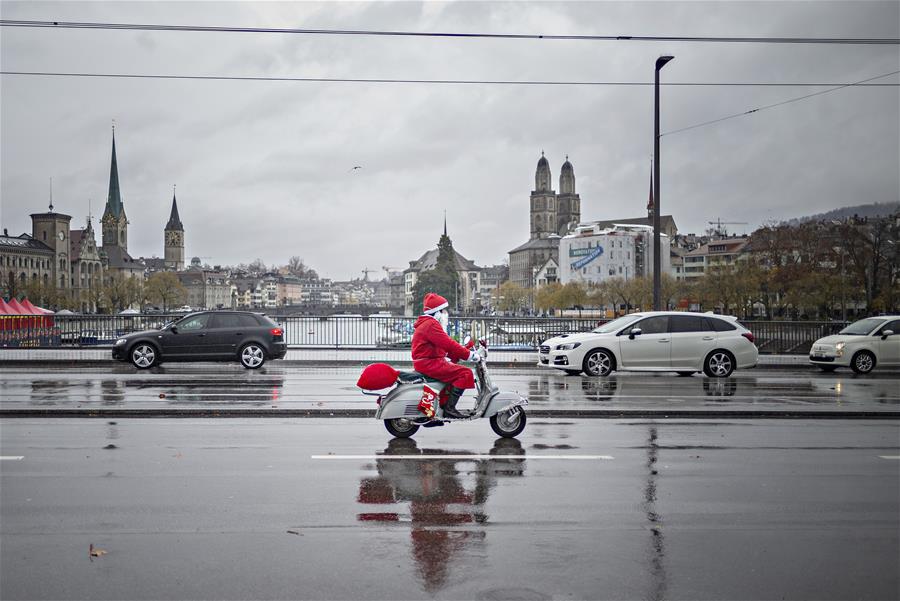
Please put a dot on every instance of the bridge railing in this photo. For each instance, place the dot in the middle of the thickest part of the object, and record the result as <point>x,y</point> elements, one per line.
<point>385,332</point>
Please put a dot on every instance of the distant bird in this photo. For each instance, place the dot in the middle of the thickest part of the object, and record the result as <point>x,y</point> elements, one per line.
<point>355,168</point>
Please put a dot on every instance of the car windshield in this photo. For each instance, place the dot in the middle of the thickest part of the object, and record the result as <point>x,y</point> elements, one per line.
<point>862,327</point>
<point>616,324</point>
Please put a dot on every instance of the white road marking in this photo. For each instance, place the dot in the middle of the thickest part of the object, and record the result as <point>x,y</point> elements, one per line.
<point>465,457</point>
<point>889,456</point>
<point>12,457</point>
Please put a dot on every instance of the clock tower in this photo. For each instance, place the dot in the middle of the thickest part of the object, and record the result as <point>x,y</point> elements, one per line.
<point>115,224</point>
<point>53,230</point>
<point>174,239</point>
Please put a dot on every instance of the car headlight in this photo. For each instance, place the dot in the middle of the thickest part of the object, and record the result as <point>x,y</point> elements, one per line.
<point>839,349</point>
<point>121,341</point>
<point>568,346</point>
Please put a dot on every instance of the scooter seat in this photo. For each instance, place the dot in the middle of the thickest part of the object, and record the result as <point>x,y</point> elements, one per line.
<point>414,377</point>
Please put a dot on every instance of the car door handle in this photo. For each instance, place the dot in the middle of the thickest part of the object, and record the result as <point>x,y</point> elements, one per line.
<point>201,335</point>
<point>663,340</point>
<point>239,334</point>
<point>708,338</point>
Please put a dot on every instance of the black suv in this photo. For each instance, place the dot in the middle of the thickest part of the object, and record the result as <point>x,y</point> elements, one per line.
<point>250,338</point>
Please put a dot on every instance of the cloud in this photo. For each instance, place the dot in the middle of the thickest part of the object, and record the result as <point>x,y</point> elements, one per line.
<point>263,167</point>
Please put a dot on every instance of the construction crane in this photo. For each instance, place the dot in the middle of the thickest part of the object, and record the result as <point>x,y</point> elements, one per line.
<point>719,223</point>
<point>366,273</point>
<point>389,270</point>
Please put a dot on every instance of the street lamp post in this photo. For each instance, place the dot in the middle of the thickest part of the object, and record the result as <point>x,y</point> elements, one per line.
<point>660,63</point>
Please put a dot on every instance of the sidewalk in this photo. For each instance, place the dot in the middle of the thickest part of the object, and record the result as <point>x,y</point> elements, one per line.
<point>329,357</point>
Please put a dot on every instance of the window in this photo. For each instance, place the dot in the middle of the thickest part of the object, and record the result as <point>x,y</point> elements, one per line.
<point>893,326</point>
<point>197,322</point>
<point>688,323</point>
<point>720,325</point>
<point>653,325</point>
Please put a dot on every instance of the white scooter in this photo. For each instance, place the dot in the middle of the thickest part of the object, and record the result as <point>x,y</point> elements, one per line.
<point>399,407</point>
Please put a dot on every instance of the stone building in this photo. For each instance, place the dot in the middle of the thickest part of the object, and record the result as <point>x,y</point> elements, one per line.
<point>552,216</point>
<point>87,268</point>
<point>24,259</point>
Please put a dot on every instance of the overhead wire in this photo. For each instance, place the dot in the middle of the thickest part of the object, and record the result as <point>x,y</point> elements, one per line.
<point>441,81</point>
<point>769,106</point>
<point>439,34</point>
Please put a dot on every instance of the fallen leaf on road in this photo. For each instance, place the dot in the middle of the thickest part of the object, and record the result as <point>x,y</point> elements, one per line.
<point>294,532</point>
<point>97,552</point>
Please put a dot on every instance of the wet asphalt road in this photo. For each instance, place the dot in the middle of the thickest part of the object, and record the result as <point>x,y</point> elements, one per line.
<point>652,509</point>
<point>290,387</point>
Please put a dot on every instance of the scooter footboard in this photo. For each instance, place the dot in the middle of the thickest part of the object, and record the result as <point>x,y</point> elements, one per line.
<point>504,401</point>
<point>402,402</point>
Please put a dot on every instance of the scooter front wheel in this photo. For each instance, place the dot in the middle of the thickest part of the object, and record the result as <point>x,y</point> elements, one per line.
<point>509,424</point>
<point>401,427</point>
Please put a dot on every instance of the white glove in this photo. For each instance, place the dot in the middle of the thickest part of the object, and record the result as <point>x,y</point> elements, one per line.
<point>474,357</point>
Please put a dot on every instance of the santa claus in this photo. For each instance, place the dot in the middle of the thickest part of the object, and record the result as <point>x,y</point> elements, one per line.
<point>435,354</point>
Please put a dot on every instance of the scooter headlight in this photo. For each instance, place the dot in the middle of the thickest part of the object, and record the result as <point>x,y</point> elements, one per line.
<point>568,346</point>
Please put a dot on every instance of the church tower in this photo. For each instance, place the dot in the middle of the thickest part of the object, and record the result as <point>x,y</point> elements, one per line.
<point>115,224</point>
<point>568,210</point>
<point>543,202</point>
<point>174,239</point>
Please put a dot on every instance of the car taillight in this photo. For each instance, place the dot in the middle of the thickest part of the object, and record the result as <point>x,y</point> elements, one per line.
<point>748,336</point>
<point>277,331</point>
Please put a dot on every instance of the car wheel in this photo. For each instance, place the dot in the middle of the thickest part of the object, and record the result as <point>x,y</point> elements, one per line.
<point>718,364</point>
<point>144,355</point>
<point>400,427</point>
<point>572,372</point>
<point>252,356</point>
<point>508,424</point>
<point>828,368</point>
<point>685,374</point>
<point>598,362</point>
<point>863,362</point>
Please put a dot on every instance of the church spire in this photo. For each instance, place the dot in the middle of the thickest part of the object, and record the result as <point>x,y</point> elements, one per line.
<point>174,220</point>
<point>445,222</point>
<point>114,198</point>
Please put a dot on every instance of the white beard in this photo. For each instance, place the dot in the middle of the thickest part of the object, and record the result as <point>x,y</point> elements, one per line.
<point>443,318</point>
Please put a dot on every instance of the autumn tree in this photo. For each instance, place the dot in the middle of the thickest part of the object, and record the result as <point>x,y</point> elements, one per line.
<point>165,289</point>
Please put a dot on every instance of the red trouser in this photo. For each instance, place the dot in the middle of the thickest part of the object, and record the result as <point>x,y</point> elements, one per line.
<point>451,373</point>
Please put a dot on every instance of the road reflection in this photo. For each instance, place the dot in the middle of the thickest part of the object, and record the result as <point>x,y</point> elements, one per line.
<point>442,497</point>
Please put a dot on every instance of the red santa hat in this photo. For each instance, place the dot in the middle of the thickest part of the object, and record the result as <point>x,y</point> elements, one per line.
<point>434,303</point>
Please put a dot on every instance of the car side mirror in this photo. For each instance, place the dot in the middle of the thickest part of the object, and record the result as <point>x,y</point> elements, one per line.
<point>174,329</point>
<point>887,333</point>
<point>634,332</point>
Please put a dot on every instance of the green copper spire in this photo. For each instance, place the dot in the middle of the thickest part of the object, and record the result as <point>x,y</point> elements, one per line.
<point>114,199</point>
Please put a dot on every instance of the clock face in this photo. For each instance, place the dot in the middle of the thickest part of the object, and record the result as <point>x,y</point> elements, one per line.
<point>61,236</point>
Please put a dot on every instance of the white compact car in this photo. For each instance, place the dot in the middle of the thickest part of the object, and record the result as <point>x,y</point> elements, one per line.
<point>655,341</point>
<point>860,346</point>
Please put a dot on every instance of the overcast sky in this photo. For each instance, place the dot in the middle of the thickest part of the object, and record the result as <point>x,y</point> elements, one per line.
<point>264,169</point>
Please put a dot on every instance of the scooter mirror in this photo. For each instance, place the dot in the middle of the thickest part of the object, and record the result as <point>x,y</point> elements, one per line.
<point>467,341</point>
<point>483,342</point>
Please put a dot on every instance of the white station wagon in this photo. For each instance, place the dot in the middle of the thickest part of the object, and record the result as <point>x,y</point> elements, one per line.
<point>860,346</point>
<point>655,341</point>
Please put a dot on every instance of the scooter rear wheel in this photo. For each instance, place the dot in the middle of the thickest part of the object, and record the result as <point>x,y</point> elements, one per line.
<point>509,424</point>
<point>400,427</point>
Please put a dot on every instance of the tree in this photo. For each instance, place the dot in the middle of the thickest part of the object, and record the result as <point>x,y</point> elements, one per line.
<point>547,297</point>
<point>164,288</point>
<point>510,296</point>
<point>443,279</point>
<point>298,268</point>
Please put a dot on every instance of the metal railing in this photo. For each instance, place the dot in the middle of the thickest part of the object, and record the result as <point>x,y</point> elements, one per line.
<point>386,332</point>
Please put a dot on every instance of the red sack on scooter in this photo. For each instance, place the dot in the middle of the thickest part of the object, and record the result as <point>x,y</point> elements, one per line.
<point>427,405</point>
<point>377,376</point>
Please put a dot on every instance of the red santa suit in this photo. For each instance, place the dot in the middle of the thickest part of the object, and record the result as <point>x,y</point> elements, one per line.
<point>431,346</point>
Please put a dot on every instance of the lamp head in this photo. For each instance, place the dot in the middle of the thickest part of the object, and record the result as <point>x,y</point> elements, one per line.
<point>661,61</point>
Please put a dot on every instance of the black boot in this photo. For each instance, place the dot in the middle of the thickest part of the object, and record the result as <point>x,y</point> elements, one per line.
<point>450,407</point>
